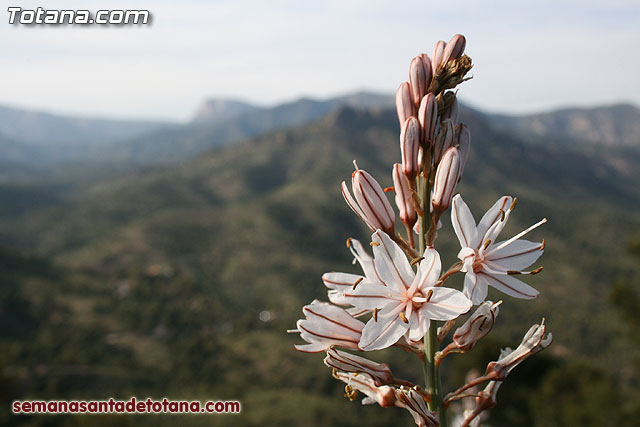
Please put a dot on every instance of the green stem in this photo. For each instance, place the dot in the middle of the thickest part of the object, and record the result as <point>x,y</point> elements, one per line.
<point>431,345</point>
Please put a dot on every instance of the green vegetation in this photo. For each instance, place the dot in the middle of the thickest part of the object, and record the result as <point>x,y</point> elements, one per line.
<point>151,282</point>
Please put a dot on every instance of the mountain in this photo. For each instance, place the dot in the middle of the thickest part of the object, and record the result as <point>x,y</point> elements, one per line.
<point>221,122</point>
<point>615,125</point>
<point>181,279</point>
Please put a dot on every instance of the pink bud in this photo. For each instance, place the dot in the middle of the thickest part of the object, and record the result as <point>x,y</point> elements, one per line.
<point>438,52</point>
<point>404,200</point>
<point>463,141</point>
<point>419,77</point>
<point>454,49</point>
<point>409,147</point>
<point>446,179</point>
<point>404,103</point>
<point>451,112</point>
<point>443,140</point>
<point>370,202</point>
<point>477,326</point>
<point>428,117</point>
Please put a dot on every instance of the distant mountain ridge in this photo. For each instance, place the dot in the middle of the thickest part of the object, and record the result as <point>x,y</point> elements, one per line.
<point>617,124</point>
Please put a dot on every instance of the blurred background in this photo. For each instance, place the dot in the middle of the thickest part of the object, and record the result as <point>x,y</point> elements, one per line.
<point>169,198</point>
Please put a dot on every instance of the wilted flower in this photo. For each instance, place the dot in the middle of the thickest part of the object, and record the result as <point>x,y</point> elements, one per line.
<point>327,325</point>
<point>408,301</point>
<point>477,326</point>
<point>419,77</point>
<point>409,146</point>
<point>451,111</point>
<point>533,342</point>
<point>445,181</point>
<point>370,202</point>
<point>350,363</point>
<point>493,264</point>
<point>404,103</point>
<point>415,404</point>
<point>404,199</point>
<point>383,395</point>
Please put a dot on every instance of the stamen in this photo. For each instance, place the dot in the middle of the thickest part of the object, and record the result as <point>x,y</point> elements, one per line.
<point>517,236</point>
<point>417,260</point>
<point>513,204</point>
<point>389,189</point>
<point>502,216</point>
<point>350,393</point>
<point>375,314</point>
<point>360,279</point>
<point>543,245</point>
<point>488,241</point>
<point>429,295</point>
<point>374,244</point>
<point>536,271</point>
<point>349,239</point>
<point>403,317</point>
<point>513,272</point>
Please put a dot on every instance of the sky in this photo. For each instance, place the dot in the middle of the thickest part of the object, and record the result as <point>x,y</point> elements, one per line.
<point>528,56</point>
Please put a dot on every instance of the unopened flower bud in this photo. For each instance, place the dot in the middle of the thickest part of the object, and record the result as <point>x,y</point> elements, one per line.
<point>409,147</point>
<point>419,77</point>
<point>370,202</point>
<point>533,342</point>
<point>404,200</point>
<point>477,326</point>
<point>445,180</point>
<point>443,140</point>
<point>454,49</point>
<point>463,142</point>
<point>350,363</point>
<point>428,117</point>
<point>450,102</point>
<point>404,103</point>
<point>438,53</point>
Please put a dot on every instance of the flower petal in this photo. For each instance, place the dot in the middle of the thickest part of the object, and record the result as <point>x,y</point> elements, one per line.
<point>446,304</point>
<point>354,205</point>
<point>474,288</point>
<point>509,285</point>
<point>517,255</point>
<point>391,262</point>
<point>419,327</point>
<point>369,295</point>
<point>463,223</point>
<point>382,333</point>
<point>338,283</point>
<point>428,270</point>
<point>494,215</point>
<point>365,260</point>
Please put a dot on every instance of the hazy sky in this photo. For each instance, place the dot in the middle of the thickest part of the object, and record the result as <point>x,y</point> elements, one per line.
<point>528,56</point>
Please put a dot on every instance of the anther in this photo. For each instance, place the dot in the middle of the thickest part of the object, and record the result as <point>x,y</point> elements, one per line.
<point>389,189</point>
<point>513,272</point>
<point>536,271</point>
<point>502,216</point>
<point>543,245</point>
<point>429,295</point>
<point>360,279</point>
<point>374,244</point>
<point>417,260</point>
<point>486,244</point>
<point>375,314</point>
<point>513,204</point>
<point>403,317</point>
<point>349,241</point>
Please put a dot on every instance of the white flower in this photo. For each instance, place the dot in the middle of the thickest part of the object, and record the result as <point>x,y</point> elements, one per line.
<point>380,373</point>
<point>404,302</point>
<point>326,326</point>
<point>493,264</point>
